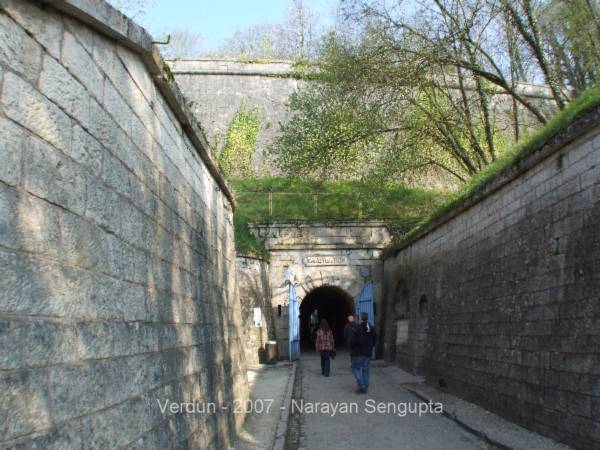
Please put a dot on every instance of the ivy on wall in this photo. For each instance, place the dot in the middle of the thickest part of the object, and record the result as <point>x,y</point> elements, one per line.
<point>236,157</point>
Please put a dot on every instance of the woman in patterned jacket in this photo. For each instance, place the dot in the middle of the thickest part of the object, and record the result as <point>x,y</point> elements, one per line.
<point>325,346</point>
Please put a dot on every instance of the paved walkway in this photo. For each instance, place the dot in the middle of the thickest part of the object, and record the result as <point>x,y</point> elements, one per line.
<point>321,426</point>
<point>268,386</point>
<point>372,430</point>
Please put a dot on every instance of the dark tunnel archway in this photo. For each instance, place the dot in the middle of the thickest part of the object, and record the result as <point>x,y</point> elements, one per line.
<point>333,304</point>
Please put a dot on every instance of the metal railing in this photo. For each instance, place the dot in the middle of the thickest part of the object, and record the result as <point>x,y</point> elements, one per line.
<point>274,206</point>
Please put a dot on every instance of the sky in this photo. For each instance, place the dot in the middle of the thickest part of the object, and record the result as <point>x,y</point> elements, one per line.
<point>217,19</point>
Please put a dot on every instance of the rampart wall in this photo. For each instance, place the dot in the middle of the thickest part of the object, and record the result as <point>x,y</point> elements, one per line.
<point>117,259</point>
<point>498,300</point>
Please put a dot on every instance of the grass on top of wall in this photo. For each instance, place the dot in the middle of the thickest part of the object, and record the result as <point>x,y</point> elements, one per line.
<point>586,102</point>
<point>291,199</point>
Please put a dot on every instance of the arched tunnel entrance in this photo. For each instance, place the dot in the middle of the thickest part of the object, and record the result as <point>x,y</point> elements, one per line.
<point>332,303</point>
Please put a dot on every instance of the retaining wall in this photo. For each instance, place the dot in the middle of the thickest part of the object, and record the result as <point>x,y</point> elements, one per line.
<point>498,301</point>
<point>219,88</point>
<point>117,260</point>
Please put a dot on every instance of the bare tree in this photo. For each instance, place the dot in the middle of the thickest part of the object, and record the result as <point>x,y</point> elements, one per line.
<point>297,37</point>
<point>302,25</point>
<point>183,43</point>
<point>135,9</point>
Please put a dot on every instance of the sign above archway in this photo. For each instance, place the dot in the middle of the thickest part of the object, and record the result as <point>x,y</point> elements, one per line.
<point>325,260</point>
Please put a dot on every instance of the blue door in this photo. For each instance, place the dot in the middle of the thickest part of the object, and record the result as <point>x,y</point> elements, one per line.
<point>294,324</point>
<point>364,301</point>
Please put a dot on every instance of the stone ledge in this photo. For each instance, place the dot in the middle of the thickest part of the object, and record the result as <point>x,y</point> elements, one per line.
<point>103,18</point>
<point>229,67</point>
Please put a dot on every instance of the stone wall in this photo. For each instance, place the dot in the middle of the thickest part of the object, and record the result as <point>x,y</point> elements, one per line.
<point>218,89</point>
<point>498,300</point>
<point>118,285</point>
<point>255,292</point>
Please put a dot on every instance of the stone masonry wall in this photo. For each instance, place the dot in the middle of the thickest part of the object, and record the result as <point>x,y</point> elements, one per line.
<point>499,301</point>
<point>255,292</point>
<point>117,261</point>
<point>219,88</point>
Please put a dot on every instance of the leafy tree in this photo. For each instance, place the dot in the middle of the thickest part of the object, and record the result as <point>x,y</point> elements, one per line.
<point>571,32</point>
<point>414,88</point>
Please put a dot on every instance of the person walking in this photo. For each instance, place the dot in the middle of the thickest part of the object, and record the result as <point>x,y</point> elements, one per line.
<point>348,330</point>
<point>314,325</point>
<point>325,345</point>
<point>362,342</point>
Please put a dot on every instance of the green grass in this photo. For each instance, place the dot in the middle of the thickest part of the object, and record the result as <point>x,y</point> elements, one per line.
<point>291,199</point>
<point>586,102</point>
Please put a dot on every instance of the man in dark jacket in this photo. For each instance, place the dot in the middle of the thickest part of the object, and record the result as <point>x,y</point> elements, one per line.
<point>362,342</point>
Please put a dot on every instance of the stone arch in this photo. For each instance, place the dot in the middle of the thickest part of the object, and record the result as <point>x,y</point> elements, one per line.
<point>334,304</point>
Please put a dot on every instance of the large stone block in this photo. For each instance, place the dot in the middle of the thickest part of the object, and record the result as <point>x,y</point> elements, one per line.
<point>37,227</point>
<point>82,243</point>
<point>11,151</point>
<point>118,426</point>
<point>132,223</point>
<point>91,386</point>
<point>33,111</point>
<point>37,287</point>
<point>103,128</point>
<point>141,137</point>
<point>45,26</point>
<point>18,50</point>
<point>120,300</point>
<point>79,62</point>
<point>9,201</point>
<point>46,343</point>
<point>100,206</point>
<point>115,174</point>
<point>12,334</point>
<point>24,403</point>
<point>117,108</point>
<point>52,176</point>
<point>58,85</point>
<point>19,289</point>
<point>87,151</point>
<point>137,71</point>
<point>115,339</point>
<point>83,34</point>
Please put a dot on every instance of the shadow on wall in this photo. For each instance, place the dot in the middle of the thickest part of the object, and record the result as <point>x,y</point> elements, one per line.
<point>406,339</point>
